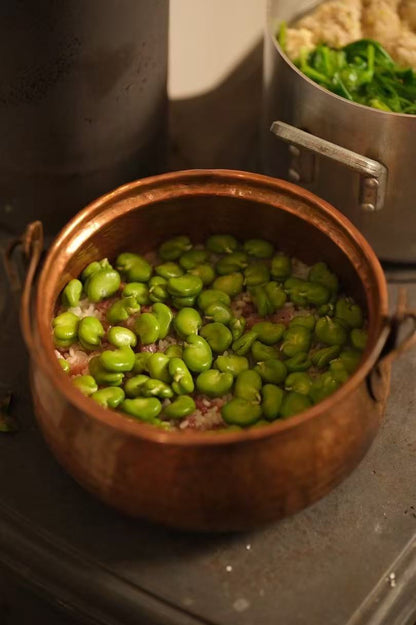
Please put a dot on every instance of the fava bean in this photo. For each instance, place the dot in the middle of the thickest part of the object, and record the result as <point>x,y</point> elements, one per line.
<point>214,383</point>
<point>102,284</point>
<point>134,267</point>
<point>231,364</point>
<point>164,317</point>
<point>133,386</point>
<point>147,328</point>
<point>221,243</point>
<point>241,412</point>
<point>236,325</point>
<point>65,329</point>
<point>219,312</point>
<point>197,353</point>
<point>174,351</point>
<point>64,364</point>
<point>142,408</point>
<point>86,384</point>
<point>323,356</point>
<point>268,332</point>
<point>175,247</point>
<point>248,386</point>
<point>118,360</point>
<point>323,386</point>
<point>330,331</point>
<point>299,382</point>
<point>296,339</point>
<point>169,270</point>
<point>122,309</point>
<point>72,293</point>
<point>261,352</point>
<point>232,283</point>
<point>294,403</point>
<point>218,336</point>
<point>205,272</point>
<point>187,285</point>
<point>182,407</point>
<point>275,294</point>
<point>349,313</point>
<point>212,296</point>
<point>281,267</point>
<point>261,301</point>
<point>183,302</point>
<point>156,388</point>
<point>90,333</point>
<point>158,289</point>
<point>359,339</point>
<point>140,362</point>
<point>121,337</point>
<point>338,371</point>
<point>259,248</point>
<point>187,321</point>
<point>94,267</point>
<point>256,273</point>
<point>102,376</point>
<point>273,370</point>
<point>190,260</point>
<point>322,275</point>
<point>350,358</point>
<point>307,321</point>
<point>183,382</point>
<point>109,397</point>
<point>139,291</point>
<point>158,367</point>
<point>272,401</point>
<point>243,345</point>
<point>299,362</point>
<point>231,263</point>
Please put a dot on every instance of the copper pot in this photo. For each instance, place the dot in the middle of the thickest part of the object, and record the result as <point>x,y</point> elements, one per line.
<point>197,480</point>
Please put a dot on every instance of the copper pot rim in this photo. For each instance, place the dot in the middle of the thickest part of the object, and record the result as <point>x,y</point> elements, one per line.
<point>44,348</point>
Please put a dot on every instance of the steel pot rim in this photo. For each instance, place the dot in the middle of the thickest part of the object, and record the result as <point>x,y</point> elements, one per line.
<point>42,349</point>
<point>301,75</point>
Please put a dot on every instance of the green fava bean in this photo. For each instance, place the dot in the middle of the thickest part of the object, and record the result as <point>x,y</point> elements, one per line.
<point>232,283</point>
<point>317,294</point>
<point>187,321</point>
<point>294,403</point>
<point>307,321</point>
<point>275,294</point>
<point>72,293</point>
<point>118,360</point>
<point>349,313</point>
<point>338,371</point>
<point>248,385</point>
<point>90,333</point>
<point>158,289</point>
<point>133,386</point>
<point>65,328</point>
<point>122,309</point>
<point>102,376</point>
<point>109,397</point>
<point>268,332</point>
<point>231,263</point>
<point>64,364</point>
<point>142,408</point>
<point>259,248</point>
<point>182,407</point>
<point>261,352</point>
<point>298,382</point>
<point>359,339</point>
<point>351,359</point>
<point>175,247</point>
<point>213,296</point>
<point>263,304</point>
<point>243,345</point>
<point>102,284</point>
<point>169,270</point>
<point>147,328</point>
<point>256,273</point>
<point>272,401</point>
<point>197,354</point>
<point>214,383</point>
<point>158,366</point>
<point>86,384</point>
<point>323,386</point>
<point>121,337</point>
<point>330,331</point>
<point>218,336</point>
<point>296,339</point>
<point>174,351</point>
<point>241,412</point>
<point>281,267</point>
<point>299,362</point>
<point>273,371</point>
<point>156,388</point>
<point>236,325</point>
<point>191,259</point>
<point>221,243</point>
<point>219,312</point>
<point>140,362</point>
<point>322,275</point>
<point>187,285</point>
<point>94,267</point>
<point>327,310</point>
<point>323,357</point>
<point>231,364</point>
<point>183,302</point>
<point>134,267</point>
<point>183,382</point>
<point>205,272</point>
<point>164,316</point>
<point>139,291</point>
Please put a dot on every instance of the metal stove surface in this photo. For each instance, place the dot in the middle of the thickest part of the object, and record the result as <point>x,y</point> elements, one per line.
<point>339,562</point>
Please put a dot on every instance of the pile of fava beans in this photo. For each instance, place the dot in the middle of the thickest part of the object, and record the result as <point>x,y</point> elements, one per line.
<point>222,335</point>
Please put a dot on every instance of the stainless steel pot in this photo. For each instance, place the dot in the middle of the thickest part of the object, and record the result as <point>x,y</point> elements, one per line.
<point>358,158</point>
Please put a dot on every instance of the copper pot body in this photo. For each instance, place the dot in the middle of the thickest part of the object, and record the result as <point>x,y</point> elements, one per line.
<point>208,481</point>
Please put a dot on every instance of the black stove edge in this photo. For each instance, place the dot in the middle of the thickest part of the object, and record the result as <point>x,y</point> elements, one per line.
<point>63,577</point>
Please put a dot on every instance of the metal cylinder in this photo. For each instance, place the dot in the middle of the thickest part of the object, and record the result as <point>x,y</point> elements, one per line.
<point>82,103</point>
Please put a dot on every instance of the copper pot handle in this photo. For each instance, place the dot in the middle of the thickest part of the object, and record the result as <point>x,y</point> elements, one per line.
<point>31,242</point>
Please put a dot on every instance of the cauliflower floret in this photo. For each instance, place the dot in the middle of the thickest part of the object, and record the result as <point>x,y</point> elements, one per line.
<point>336,23</point>
<point>408,13</point>
<point>381,22</point>
<point>298,39</point>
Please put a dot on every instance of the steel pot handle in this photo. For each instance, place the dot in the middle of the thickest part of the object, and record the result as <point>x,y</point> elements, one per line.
<point>373,174</point>
<point>32,244</point>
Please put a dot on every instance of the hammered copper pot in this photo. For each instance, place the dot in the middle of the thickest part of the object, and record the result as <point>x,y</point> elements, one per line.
<point>197,480</point>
